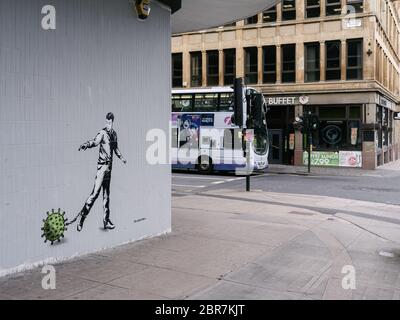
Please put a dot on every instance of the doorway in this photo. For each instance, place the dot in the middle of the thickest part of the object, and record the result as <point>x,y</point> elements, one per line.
<point>280,126</point>
<point>275,146</point>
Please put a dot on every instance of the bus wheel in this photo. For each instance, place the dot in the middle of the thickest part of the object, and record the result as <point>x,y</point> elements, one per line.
<point>205,165</point>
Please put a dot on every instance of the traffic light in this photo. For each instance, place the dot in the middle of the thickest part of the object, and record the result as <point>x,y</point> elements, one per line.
<point>298,124</point>
<point>306,123</point>
<point>314,122</point>
<point>256,110</point>
<point>238,109</point>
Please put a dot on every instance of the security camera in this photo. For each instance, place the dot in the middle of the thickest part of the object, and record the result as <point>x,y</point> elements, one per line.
<point>142,9</point>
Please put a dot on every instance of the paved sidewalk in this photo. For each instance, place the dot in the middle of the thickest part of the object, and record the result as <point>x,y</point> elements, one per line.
<point>334,171</point>
<point>232,245</point>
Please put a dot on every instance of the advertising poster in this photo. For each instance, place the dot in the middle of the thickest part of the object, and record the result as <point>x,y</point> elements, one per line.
<point>328,159</point>
<point>223,120</point>
<point>189,125</point>
<point>291,141</point>
<point>351,159</point>
<point>354,136</point>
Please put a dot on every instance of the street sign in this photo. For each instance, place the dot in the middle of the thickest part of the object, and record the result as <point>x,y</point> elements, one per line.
<point>396,115</point>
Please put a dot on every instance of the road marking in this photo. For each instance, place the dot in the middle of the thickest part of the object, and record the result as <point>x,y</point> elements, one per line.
<point>218,182</point>
<point>186,192</point>
<point>386,254</point>
<point>187,186</point>
<point>372,175</point>
<point>197,177</point>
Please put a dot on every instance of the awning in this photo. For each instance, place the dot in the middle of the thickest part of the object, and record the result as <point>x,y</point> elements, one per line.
<point>196,15</point>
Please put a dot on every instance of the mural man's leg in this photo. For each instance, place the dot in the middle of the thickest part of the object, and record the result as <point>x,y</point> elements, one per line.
<point>101,170</point>
<point>106,201</point>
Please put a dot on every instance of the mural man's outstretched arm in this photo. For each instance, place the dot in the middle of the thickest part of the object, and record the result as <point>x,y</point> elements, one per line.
<point>92,143</point>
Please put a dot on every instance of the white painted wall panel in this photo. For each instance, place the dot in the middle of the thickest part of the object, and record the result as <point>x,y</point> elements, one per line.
<point>55,90</point>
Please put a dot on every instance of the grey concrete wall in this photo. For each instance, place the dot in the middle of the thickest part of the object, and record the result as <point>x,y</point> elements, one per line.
<point>55,90</point>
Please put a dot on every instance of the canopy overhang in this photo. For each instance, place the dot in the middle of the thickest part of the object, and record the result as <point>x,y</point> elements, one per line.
<point>196,15</point>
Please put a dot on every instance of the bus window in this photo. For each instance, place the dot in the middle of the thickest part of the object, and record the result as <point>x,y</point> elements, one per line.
<point>232,139</point>
<point>182,103</point>
<point>226,102</point>
<point>228,139</point>
<point>206,102</point>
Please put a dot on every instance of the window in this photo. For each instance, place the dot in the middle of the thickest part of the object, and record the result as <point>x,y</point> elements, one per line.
<point>269,68</point>
<point>312,8</point>
<point>312,71</point>
<point>288,63</point>
<point>355,112</point>
<point>206,102</point>
<point>196,67</point>
<point>390,128</point>
<point>358,6</point>
<point>332,112</point>
<point>232,139</point>
<point>261,142</point>
<point>212,68</point>
<point>229,66</point>
<point>226,102</point>
<point>385,123</point>
<point>354,59</point>
<point>333,7</point>
<point>269,15</point>
<point>339,128</point>
<point>379,135</point>
<point>182,103</point>
<point>288,9</point>
<point>333,68</point>
<point>252,20</point>
<point>251,65</point>
<point>177,81</point>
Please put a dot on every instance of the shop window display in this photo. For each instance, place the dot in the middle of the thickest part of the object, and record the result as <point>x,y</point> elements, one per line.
<point>339,128</point>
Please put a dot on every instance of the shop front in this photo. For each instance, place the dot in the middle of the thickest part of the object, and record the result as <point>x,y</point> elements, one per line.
<point>355,130</point>
<point>338,140</point>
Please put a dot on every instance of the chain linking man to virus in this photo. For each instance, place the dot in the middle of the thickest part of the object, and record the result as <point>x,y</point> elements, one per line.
<point>108,142</point>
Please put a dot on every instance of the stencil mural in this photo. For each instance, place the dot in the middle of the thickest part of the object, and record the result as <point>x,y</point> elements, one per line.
<point>107,141</point>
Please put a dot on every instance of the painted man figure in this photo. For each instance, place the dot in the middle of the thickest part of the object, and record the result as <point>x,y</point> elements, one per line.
<point>108,142</point>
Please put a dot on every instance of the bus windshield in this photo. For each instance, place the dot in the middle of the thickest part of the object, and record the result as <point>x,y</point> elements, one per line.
<point>261,143</point>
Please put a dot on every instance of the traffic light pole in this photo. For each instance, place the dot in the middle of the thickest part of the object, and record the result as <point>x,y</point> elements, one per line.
<point>310,147</point>
<point>309,129</point>
<point>248,165</point>
<point>240,116</point>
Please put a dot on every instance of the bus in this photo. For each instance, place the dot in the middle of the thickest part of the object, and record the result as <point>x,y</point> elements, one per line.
<point>204,137</point>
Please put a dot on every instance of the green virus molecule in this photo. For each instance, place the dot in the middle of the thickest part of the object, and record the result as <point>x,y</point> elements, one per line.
<point>54,226</point>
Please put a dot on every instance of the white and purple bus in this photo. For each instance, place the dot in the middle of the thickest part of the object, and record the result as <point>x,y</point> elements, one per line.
<point>203,136</point>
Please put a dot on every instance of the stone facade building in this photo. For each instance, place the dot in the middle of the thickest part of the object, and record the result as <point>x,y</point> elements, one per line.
<point>338,59</point>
